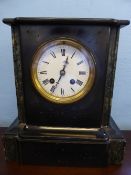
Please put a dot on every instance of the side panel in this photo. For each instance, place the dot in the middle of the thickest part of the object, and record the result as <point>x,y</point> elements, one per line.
<point>18,72</point>
<point>110,75</point>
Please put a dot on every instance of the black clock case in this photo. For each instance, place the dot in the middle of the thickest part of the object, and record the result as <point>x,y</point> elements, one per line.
<point>74,134</point>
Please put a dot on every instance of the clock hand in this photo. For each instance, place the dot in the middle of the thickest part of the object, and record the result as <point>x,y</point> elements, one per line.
<point>66,62</point>
<point>62,73</point>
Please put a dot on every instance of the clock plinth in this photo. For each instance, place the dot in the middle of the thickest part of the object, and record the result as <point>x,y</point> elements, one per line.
<point>64,74</point>
<point>92,147</point>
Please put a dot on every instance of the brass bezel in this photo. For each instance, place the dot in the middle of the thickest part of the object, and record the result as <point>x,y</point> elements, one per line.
<point>80,94</point>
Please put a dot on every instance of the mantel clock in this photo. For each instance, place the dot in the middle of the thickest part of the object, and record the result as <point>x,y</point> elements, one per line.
<point>64,74</point>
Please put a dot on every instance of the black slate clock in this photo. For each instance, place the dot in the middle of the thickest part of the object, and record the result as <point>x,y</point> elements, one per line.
<point>64,72</point>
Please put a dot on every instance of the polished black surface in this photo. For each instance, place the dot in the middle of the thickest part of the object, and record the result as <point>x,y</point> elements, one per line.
<point>14,168</point>
<point>82,133</point>
<point>49,20</point>
<point>87,112</point>
<point>37,145</point>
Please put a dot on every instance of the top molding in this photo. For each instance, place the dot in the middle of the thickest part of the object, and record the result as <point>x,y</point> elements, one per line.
<point>83,21</point>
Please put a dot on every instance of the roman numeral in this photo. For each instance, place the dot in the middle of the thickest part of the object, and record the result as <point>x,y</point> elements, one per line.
<point>72,89</point>
<point>82,72</point>
<point>80,62</point>
<point>45,82</point>
<point>46,62</point>
<point>52,89</point>
<point>63,52</point>
<point>79,82</point>
<point>62,91</point>
<point>53,54</point>
<point>43,72</point>
<point>73,54</point>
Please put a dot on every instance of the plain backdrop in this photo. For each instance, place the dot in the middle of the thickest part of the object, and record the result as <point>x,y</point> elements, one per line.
<point>119,9</point>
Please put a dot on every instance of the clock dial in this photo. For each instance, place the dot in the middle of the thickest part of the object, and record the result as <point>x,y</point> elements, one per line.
<point>63,71</point>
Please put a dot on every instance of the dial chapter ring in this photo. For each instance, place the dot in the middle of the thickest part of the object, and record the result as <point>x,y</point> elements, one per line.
<point>70,99</point>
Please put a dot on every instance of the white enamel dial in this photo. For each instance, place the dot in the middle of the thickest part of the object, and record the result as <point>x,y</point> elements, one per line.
<point>63,70</point>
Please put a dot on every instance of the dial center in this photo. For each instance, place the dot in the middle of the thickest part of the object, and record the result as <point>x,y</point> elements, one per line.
<point>62,72</point>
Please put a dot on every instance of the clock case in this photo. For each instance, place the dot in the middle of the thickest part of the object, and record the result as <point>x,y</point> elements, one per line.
<point>82,133</point>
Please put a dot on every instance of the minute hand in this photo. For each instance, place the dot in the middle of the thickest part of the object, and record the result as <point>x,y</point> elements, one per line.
<point>66,62</point>
<point>62,72</point>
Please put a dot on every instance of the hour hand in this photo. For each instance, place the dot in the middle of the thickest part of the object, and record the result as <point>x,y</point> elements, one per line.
<point>55,86</point>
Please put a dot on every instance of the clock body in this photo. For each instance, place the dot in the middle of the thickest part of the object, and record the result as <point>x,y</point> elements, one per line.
<point>89,110</point>
<point>64,74</point>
